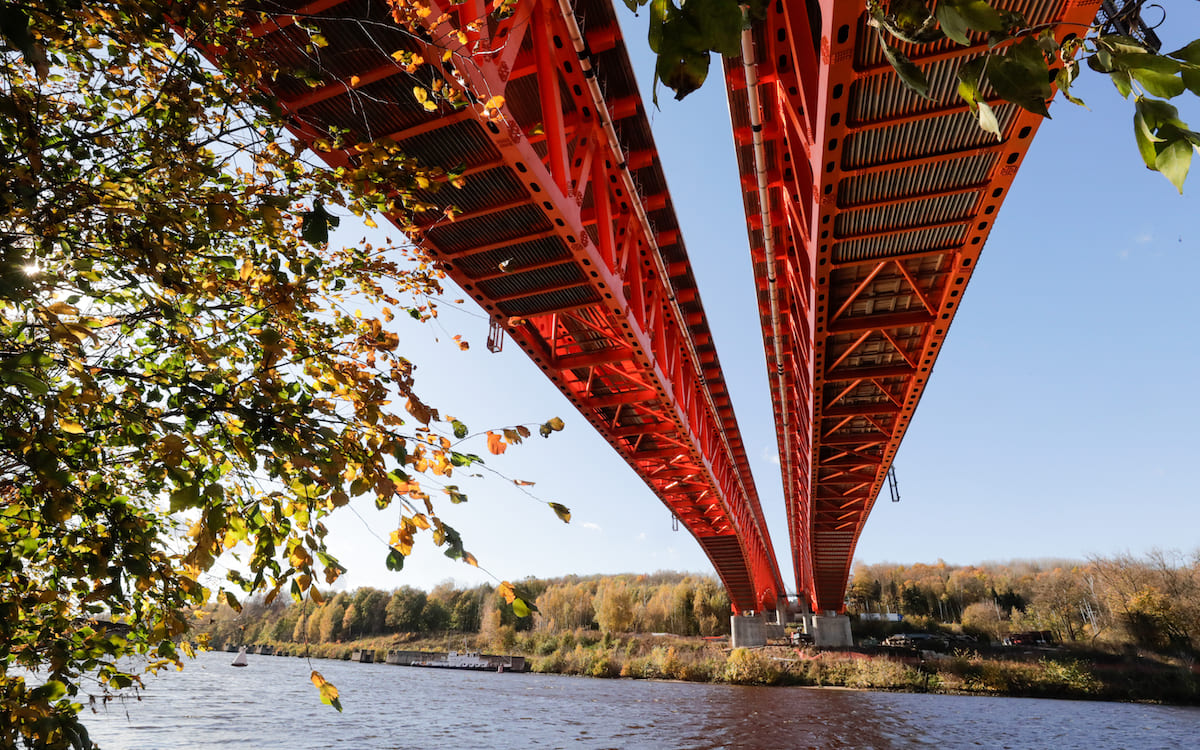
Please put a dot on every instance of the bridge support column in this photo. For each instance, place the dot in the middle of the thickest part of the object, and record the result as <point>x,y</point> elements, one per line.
<point>830,631</point>
<point>747,631</point>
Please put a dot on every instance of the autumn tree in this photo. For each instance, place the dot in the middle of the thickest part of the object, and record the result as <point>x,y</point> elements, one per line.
<point>614,604</point>
<point>984,617</point>
<point>185,373</point>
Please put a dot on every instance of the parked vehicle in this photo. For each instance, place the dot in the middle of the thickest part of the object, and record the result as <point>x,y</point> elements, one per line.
<point>1031,638</point>
<point>922,641</point>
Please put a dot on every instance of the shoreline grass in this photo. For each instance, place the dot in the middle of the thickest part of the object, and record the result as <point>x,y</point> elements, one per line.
<point>1063,675</point>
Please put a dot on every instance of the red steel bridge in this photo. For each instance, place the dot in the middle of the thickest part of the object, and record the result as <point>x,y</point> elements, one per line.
<point>866,206</point>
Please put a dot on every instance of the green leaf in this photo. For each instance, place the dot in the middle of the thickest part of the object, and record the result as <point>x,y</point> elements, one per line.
<point>1189,54</point>
<point>456,497</point>
<point>719,23</point>
<point>1146,61</point>
<point>1123,82</point>
<point>980,15</point>
<point>460,429</point>
<point>1145,140</point>
<point>1159,75</point>
<point>1174,160</point>
<point>50,691</point>
<point>909,73</point>
<point>1063,80</point>
<point>1022,77</point>
<point>24,380</point>
<point>395,560</point>
<point>520,608</point>
<point>1158,113</point>
<point>969,77</point>
<point>187,496</point>
<point>316,223</point>
<point>1159,84</point>
<point>957,17</point>
<point>1191,79</point>
<point>953,24</point>
<point>562,511</point>
<point>454,543</point>
<point>658,16</point>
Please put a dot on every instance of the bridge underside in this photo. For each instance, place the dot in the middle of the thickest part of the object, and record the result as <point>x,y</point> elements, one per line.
<point>865,227</point>
<point>563,231</point>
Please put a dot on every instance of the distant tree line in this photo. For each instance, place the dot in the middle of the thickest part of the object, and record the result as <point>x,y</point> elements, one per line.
<point>663,602</point>
<point>1151,602</point>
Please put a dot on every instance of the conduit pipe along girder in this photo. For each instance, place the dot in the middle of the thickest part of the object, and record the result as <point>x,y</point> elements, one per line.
<point>604,117</point>
<point>750,70</point>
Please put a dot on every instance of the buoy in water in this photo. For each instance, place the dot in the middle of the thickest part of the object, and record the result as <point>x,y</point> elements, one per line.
<point>240,659</point>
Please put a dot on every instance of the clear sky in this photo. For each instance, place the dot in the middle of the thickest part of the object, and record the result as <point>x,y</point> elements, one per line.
<point>1060,421</point>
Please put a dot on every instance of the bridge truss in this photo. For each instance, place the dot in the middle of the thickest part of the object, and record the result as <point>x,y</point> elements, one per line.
<point>867,207</point>
<point>565,232</point>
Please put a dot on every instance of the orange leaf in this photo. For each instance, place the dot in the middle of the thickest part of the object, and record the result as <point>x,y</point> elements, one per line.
<point>496,444</point>
<point>506,590</point>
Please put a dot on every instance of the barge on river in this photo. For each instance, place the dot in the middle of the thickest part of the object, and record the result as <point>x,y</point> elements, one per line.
<point>472,660</point>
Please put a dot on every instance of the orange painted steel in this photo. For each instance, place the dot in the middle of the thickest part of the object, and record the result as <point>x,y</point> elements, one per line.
<point>567,238</point>
<point>879,204</point>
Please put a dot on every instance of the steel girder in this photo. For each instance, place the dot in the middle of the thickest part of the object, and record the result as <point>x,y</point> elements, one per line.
<point>879,204</point>
<point>565,234</point>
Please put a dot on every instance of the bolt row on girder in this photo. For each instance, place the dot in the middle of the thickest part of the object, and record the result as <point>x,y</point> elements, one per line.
<point>880,204</point>
<point>564,231</point>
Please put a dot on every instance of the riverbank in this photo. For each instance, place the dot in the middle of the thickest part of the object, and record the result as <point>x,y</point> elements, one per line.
<point>1040,674</point>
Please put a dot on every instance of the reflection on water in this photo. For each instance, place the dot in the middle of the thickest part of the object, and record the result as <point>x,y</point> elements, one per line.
<point>272,704</point>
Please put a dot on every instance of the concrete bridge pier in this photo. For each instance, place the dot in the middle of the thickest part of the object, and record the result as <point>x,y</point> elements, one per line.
<point>752,629</point>
<point>829,630</point>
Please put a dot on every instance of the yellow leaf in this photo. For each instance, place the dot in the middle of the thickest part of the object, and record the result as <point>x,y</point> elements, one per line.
<point>329,693</point>
<point>370,222</point>
<point>71,427</point>
<point>62,308</point>
<point>496,102</point>
<point>469,559</point>
<point>354,81</point>
<point>562,511</point>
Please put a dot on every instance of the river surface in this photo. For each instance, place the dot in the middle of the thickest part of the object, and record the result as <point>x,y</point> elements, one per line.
<point>272,704</point>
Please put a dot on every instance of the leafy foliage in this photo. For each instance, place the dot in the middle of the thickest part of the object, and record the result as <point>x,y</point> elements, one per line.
<point>1021,62</point>
<point>188,384</point>
<point>685,34</point>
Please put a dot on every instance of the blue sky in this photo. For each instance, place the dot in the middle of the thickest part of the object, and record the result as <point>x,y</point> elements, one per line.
<point>1060,420</point>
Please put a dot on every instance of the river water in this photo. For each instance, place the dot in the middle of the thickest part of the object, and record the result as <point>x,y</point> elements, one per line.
<point>272,704</point>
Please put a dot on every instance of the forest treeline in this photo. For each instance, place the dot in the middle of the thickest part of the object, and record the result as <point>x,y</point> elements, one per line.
<point>662,602</point>
<point>1151,602</point>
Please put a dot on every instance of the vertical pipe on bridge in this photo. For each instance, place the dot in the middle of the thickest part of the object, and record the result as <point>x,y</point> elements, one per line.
<point>750,71</point>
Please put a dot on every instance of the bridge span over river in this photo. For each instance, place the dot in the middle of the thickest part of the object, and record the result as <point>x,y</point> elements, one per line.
<point>867,207</point>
